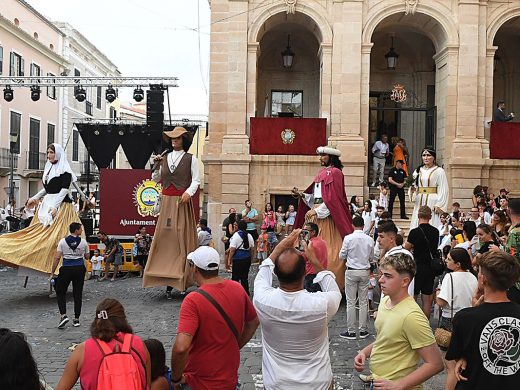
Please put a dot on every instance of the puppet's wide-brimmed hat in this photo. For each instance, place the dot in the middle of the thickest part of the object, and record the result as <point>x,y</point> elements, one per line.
<point>328,150</point>
<point>176,132</point>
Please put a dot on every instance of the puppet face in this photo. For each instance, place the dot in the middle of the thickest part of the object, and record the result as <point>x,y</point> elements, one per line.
<point>428,159</point>
<point>177,143</point>
<point>51,155</point>
<point>324,160</point>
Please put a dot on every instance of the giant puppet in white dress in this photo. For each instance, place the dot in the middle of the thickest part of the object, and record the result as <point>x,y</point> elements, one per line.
<point>431,186</point>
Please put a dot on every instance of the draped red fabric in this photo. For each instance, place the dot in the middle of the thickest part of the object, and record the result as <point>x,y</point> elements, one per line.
<point>504,140</point>
<point>265,136</point>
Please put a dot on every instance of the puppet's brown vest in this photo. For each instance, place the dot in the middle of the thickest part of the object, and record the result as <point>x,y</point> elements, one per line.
<point>181,177</point>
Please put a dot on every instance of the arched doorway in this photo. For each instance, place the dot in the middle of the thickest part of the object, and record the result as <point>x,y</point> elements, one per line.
<point>506,74</point>
<point>295,90</point>
<point>417,39</point>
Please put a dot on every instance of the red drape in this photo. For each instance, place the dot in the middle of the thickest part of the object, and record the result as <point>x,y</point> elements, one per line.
<point>266,135</point>
<point>504,140</point>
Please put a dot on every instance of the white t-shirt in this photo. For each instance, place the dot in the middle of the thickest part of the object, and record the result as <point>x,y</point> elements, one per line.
<point>464,286</point>
<point>236,241</point>
<point>69,253</point>
<point>96,262</point>
<point>368,217</point>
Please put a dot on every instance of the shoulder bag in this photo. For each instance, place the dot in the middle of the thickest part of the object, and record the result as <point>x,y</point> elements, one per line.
<point>443,336</point>
<point>221,311</point>
<point>436,262</point>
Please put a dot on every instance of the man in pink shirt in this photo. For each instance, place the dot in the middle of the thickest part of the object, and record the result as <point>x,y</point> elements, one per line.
<point>321,250</point>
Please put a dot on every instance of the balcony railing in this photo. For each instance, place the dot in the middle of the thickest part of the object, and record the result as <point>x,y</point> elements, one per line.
<point>36,160</point>
<point>89,165</point>
<point>5,159</point>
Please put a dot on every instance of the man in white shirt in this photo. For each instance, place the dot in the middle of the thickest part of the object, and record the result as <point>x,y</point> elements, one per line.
<point>380,150</point>
<point>295,345</point>
<point>357,251</point>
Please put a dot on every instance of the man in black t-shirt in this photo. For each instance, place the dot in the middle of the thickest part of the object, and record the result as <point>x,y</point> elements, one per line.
<point>486,339</point>
<point>423,241</point>
<point>396,180</point>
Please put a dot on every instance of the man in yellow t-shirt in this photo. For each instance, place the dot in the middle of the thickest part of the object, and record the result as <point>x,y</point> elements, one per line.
<point>403,333</point>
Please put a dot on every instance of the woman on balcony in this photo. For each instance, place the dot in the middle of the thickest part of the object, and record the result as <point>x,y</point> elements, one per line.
<point>35,246</point>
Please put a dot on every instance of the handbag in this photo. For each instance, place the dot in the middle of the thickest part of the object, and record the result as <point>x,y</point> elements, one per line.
<point>443,336</point>
<point>437,264</point>
<point>134,249</point>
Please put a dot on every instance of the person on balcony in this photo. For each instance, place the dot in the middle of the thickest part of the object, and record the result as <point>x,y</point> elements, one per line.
<point>325,203</point>
<point>35,246</point>
<point>500,116</point>
<point>176,230</point>
<point>431,184</point>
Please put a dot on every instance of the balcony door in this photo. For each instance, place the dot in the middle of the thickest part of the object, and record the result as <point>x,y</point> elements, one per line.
<point>34,144</point>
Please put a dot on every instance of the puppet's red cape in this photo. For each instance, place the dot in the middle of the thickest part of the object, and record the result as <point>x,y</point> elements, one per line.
<point>334,197</point>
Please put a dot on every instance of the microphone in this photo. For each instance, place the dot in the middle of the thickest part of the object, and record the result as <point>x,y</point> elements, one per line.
<point>156,164</point>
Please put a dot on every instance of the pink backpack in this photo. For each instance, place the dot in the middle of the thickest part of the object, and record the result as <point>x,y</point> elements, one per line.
<point>118,368</point>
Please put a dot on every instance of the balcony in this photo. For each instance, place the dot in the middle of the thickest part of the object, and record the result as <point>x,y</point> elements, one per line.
<point>90,168</point>
<point>5,161</point>
<point>295,136</point>
<point>35,163</point>
<point>504,142</point>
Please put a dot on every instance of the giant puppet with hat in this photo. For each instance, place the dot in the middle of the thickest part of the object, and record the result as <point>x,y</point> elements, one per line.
<point>325,203</point>
<point>176,231</point>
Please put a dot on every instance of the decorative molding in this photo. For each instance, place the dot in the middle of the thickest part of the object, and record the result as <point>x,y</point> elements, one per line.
<point>291,6</point>
<point>410,6</point>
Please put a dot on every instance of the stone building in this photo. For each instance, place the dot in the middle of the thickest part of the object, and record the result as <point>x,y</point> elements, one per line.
<point>30,45</point>
<point>455,60</point>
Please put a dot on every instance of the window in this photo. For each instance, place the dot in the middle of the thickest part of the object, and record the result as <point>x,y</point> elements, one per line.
<point>16,65</point>
<point>34,144</point>
<point>1,59</point>
<point>287,103</point>
<point>51,129</point>
<point>15,128</point>
<point>35,70</point>
<point>113,113</point>
<point>51,91</point>
<point>75,145</point>
<point>98,98</point>
<point>33,188</point>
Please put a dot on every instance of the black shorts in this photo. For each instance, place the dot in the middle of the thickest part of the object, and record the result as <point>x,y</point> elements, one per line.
<point>424,280</point>
<point>253,233</point>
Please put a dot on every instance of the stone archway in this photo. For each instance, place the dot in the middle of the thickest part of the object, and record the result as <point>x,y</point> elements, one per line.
<point>428,57</point>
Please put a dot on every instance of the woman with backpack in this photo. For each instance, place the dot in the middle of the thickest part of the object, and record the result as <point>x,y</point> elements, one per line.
<point>113,345</point>
<point>240,247</point>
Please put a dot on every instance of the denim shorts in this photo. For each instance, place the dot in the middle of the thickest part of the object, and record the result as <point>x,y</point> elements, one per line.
<point>116,259</point>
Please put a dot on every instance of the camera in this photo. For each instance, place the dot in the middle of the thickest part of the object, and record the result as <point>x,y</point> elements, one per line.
<point>304,236</point>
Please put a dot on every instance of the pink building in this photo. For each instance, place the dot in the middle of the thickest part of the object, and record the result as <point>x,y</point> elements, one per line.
<point>29,46</point>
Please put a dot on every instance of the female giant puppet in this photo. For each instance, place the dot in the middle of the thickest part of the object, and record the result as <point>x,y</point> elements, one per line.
<point>176,232</point>
<point>325,203</point>
<point>34,247</point>
<point>431,184</point>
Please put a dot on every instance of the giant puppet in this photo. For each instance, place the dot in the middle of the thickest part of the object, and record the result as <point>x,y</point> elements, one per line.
<point>325,203</point>
<point>32,250</point>
<point>176,232</point>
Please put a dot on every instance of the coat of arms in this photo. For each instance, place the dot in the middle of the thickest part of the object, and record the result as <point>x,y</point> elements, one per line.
<point>288,136</point>
<point>398,94</point>
<point>145,197</point>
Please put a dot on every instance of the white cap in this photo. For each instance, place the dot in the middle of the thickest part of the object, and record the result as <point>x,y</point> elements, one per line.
<point>205,258</point>
<point>328,150</point>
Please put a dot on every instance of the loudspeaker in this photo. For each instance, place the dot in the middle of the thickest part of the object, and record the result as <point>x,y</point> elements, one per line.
<point>88,226</point>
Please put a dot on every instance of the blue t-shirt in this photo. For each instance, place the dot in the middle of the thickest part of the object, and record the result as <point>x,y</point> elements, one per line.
<point>252,213</point>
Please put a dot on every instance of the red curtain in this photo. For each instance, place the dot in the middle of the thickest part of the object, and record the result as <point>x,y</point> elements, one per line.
<point>266,135</point>
<point>504,141</point>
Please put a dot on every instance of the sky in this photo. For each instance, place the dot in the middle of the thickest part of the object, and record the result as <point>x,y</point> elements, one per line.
<point>146,38</point>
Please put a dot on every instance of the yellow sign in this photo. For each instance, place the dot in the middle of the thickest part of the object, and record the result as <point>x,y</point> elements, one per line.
<point>145,197</point>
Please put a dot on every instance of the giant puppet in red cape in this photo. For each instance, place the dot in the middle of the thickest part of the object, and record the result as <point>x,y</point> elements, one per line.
<point>338,222</point>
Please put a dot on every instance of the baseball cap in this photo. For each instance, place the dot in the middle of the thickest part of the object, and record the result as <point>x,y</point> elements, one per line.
<point>205,258</point>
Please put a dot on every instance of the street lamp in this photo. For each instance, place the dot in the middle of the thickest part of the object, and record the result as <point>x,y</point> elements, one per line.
<point>288,54</point>
<point>391,57</point>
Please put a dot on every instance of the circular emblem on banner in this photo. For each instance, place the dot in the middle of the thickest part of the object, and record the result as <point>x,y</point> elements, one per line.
<point>145,197</point>
<point>288,136</point>
<point>499,346</point>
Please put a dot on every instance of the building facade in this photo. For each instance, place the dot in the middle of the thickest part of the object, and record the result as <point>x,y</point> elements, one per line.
<point>30,45</point>
<point>455,60</point>
<point>85,60</point>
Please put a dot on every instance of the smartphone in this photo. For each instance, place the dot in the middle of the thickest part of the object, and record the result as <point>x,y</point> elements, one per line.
<point>304,236</point>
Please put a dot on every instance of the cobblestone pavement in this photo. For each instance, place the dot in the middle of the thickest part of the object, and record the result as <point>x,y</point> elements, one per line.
<point>31,311</point>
